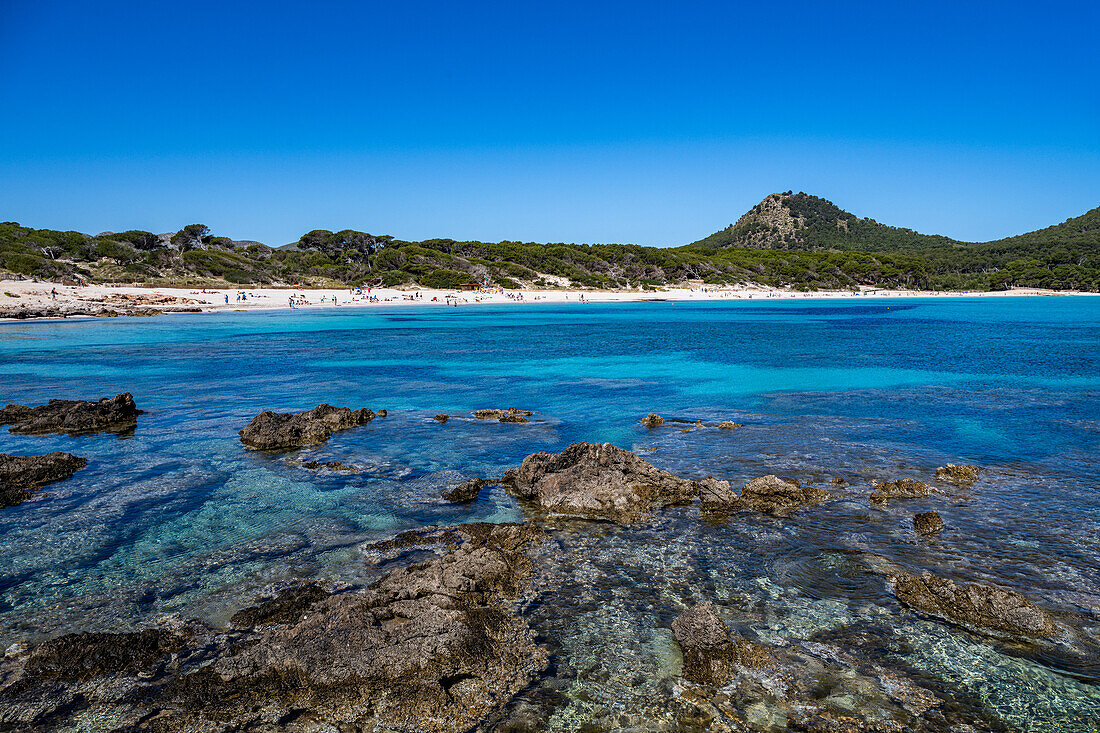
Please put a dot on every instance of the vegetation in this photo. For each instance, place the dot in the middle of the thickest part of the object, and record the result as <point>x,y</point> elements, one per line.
<point>789,240</point>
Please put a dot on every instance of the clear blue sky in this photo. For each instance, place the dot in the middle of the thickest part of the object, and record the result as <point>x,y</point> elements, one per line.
<point>654,123</point>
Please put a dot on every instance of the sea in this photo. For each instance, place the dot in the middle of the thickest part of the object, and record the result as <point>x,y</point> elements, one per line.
<point>178,520</point>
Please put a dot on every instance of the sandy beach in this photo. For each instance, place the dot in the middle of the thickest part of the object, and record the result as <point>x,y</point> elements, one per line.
<point>23,295</point>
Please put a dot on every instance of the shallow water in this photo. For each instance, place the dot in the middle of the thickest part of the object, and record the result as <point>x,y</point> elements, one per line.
<point>178,519</point>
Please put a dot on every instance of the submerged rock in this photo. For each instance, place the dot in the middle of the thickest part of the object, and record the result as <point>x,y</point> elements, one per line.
<point>319,465</point>
<point>772,495</point>
<point>973,605</point>
<point>432,647</point>
<point>729,425</point>
<point>963,476</point>
<point>712,655</point>
<point>653,420</point>
<point>902,488</point>
<point>116,414</point>
<point>928,522</point>
<point>441,418</point>
<point>285,431</point>
<point>512,414</point>
<point>466,491</point>
<point>597,481</point>
<point>20,474</point>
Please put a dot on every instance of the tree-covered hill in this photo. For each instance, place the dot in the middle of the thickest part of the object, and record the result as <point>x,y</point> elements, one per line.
<point>788,240</point>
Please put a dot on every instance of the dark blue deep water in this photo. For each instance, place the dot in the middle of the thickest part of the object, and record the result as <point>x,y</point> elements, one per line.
<point>179,519</point>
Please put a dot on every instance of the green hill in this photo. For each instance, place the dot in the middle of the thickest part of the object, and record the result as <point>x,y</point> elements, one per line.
<point>787,240</point>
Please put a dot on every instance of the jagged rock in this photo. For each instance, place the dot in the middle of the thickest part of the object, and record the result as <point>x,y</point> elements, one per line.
<point>729,425</point>
<point>715,495</point>
<point>928,522</point>
<point>963,476</point>
<point>116,414</point>
<point>466,491</point>
<point>285,431</point>
<point>653,420</point>
<point>441,418</point>
<point>382,413</point>
<point>975,606</point>
<point>432,647</point>
<point>712,655</point>
<point>512,414</point>
<point>597,481</point>
<point>20,474</point>
<point>902,488</point>
<point>772,495</point>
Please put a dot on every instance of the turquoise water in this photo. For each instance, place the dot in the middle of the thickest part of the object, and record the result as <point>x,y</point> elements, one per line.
<point>178,519</point>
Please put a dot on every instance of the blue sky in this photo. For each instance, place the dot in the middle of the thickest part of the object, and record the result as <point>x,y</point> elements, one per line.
<point>654,123</point>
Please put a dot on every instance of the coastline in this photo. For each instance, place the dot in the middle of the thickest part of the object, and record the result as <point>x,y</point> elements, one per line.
<point>28,300</point>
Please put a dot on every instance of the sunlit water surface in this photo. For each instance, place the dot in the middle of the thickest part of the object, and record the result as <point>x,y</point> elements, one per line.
<point>179,519</point>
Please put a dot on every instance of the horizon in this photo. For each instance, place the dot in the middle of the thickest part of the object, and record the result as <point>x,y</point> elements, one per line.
<point>644,126</point>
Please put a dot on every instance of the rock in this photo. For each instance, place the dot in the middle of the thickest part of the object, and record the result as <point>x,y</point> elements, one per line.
<point>318,465</point>
<point>382,413</point>
<point>441,418</point>
<point>285,431</point>
<point>597,481</point>
<point>437,647</point>
<point>711,654</point>
<point>466,491</point>
<point>902,488</point>
<point>715,495</point>
<point>652,420</point>
<point>772,495</point>
<point>975,606</point>
<point>512,414</point>
<point>116,414</point>
<point>928,522</point>
<point>840,481</point>
<point>963,476</point>
<point>20,474</point>
<point>729,425</point>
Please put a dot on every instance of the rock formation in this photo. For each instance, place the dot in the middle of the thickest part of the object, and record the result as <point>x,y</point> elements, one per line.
<point>116,414</point>
<point>712,655</point>
<point>975,606</point>
<point>772,495</point>
<point>928,523</point>
<point>597,481</point>
<point>441,418</point>
<point>652,420</point>
<point>729,425</point>
<point>432,647</point>
<point>466,491</point>
<point>20,474</point>
<point>512,414</point>
<point>963,476</point>
<point>286,431</point>
<point>902,488</point>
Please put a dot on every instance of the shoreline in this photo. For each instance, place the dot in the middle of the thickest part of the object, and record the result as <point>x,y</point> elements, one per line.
<point>27,300</point>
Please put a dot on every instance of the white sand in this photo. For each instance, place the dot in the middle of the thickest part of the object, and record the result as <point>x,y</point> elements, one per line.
<point>27,293</point>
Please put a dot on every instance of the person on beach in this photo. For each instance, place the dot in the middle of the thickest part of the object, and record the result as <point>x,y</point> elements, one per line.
<point>53,293</point>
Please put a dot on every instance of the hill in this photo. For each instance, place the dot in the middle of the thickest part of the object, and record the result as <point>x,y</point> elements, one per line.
<point>787,240</point>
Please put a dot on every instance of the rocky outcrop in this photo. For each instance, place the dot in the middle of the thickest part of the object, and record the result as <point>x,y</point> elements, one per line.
<point>94,310</point>
<point>928,523</point>
<point>285,431</point>
<point>466,491</point>
<point>975,606</point>
<point>653,420</point>
<point>20,474</point>
<point>116,414</point>
<point>715,495</point>
<point>431,647</point>
<point>512,414</point>
<point>963,476</point>
<point>441,418</point>
<point>902,488</point>
<point>772,495</point>
<point>712,655</point>
<point>729,425</point>
<point>597,481</point>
